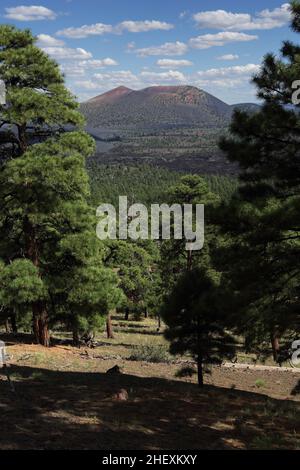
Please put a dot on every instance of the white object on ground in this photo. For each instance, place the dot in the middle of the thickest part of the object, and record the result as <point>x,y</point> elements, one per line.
<point>228,365</point>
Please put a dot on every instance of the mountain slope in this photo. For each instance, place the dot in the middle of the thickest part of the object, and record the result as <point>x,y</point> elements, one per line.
<point>247,107</point>
<point>111,96</point>
<point>156,107</point>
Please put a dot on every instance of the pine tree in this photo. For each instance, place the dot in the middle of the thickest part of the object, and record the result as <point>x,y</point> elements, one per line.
<point>194,321</point>
<point>175,259</point>
<point>38,104</point>
<point>263,219</point>
<point>191,309</point>
<point>46,225</point>
<point>20,285</point>
<point>136,263</point>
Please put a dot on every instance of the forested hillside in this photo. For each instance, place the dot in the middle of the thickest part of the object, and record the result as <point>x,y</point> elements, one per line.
<point>144,183</point>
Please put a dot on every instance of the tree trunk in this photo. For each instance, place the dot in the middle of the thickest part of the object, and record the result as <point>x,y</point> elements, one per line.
<point>13,322</point>
<point>159,322</point>
<point>39,312</point>
<point>44,335</point>
<point>200,371</point>
<point>127,314</point>
<point>109,328</point>
<point>189,260</point>
<point>7,326</point>
<point>35,326</point>
<point>199,356</point>
<point>76,338</point>
<point>146,313</point>
<point>22,138</point>
<point>40,324</point>
<point>275,346</point>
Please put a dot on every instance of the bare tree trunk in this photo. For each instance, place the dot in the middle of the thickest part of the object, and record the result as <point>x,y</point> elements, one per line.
<point>40,324</point>
<point>126,313</point>
<point>39,312</point>
<point>158,322</point>
<point>44,335</point>
<point>200,371</point>
<point>146,313</point>
<point>189,260</point>
<point>199,357</point>
<point>35,326</point>
<point>275,346</point>
<point>13,321</point>
<point>76,339</point>
<point>7,326</point>
<point>109,328</point>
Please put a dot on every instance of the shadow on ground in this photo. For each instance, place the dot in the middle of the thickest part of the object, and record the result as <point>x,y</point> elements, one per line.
<point>11,339</point>
<point>296,390</point>
<point>74,410</point>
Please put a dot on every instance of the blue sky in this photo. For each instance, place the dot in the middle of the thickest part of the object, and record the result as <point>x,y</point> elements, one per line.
<point>101,44</point>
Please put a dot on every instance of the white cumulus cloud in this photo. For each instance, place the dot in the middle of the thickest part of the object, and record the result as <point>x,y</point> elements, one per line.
<point>220,39</point>
<point>265,19</point>
<point>167,63</point>
<point>122,75</point>
<point>228,57</point>
<point>167,49</point>
<point>162,77</point>
<point>236,70</point>
<point>98,63</point>
<point>44,40</point>
<point>84,31</point>
<point>87,84</point>
<point>81,68</point>
<point>143,26</point>
<point>67,53</point>
<point>29,13</point>
<point>72,70</point>
<point>105,81</point>
<point>99,29</point>
<point>228,76</point>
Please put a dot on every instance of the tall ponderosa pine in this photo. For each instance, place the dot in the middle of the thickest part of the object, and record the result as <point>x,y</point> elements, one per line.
<point>46,225</point>
<point>192,308</point>
<point>264,218</point>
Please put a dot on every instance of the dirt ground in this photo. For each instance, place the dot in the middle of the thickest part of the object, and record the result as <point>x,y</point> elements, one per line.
<point>65,400</point>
